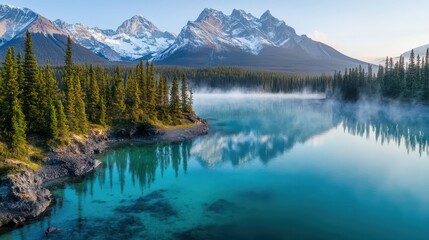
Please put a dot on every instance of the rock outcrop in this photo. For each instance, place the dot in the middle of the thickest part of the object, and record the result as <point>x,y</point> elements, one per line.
<point>22,197</point>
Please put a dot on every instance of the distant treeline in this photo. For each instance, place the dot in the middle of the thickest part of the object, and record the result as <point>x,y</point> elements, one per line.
<point>395,80</point>
<point>226,78</point>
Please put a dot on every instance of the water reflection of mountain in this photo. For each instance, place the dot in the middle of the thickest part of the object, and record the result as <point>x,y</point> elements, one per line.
<point>243,132</point>
<point>255,132</point>
<point>261,129</point>
<point>266,129</point>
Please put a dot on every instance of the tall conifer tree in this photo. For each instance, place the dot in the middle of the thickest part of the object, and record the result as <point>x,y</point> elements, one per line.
<point>118,96</point>
<point>175,110</point>
<point>15,118</point>
<point>80,119</point>
<point>31,87</point>
<point>184,94</point>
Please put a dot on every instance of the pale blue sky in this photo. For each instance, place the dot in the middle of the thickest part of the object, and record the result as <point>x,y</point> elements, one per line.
<point>364,29</point>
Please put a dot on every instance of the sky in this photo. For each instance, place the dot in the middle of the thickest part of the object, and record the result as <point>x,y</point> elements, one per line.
<point>363,29</point>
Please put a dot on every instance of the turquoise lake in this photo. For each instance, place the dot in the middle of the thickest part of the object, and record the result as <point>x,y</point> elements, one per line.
<point>272,167</point>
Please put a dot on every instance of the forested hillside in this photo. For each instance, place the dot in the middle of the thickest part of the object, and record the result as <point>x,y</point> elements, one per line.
<point>53,104</point>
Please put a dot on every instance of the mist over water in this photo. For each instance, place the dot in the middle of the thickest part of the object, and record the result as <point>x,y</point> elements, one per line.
<point>239,93</point>
<point>273,166</point>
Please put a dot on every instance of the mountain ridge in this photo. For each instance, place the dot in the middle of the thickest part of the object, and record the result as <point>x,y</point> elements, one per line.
<point>213,39</point>
<point>241,39</point>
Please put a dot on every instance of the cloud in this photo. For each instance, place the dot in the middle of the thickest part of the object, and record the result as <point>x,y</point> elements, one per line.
<point>323,37</point>
<point>319,36</point>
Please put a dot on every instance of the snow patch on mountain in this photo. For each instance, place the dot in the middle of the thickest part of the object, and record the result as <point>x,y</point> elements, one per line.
<point>13,21</point>
<point>135,38</point>
<point>215,30</point>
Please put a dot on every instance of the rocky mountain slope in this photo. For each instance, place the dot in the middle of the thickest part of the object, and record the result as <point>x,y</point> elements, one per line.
<point>133,39</point>
<point>213,39</point>
<point>241,39</point>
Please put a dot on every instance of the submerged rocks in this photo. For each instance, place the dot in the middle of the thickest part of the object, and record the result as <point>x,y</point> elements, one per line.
<point>220,206</point>
<point>51,230</point>
<point>155,204</point>
<point>109,228</point>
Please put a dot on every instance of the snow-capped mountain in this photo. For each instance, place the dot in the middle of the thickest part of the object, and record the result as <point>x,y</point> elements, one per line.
<point>49,41</point>
<point>213,39</point>
<point>242,39</point>
<point>240,30</point>
<point>14,21</point>
<point>135,38</point>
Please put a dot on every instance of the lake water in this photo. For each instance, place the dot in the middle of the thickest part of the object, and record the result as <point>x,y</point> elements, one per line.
<point>272,167</point>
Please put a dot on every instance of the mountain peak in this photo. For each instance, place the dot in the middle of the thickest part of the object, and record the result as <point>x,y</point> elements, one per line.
<point>61,24</point>
<point>267,15</point>
<point>135,38</point>
<point>15,21</point>
<point>5,8</point>
<point>238,13</point>
<point>136,25</point>
<point>8,6</point>
<point>208,13</point>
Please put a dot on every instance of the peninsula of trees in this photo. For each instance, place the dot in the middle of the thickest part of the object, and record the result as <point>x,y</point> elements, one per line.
<point>54,103</point>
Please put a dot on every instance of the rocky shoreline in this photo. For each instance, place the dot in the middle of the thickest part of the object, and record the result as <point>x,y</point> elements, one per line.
<point>23,196</point>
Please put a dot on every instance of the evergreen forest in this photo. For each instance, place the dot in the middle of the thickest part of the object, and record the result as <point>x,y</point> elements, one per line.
<point>51,104</point>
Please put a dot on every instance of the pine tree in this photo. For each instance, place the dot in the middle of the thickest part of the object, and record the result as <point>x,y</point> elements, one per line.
<point>160,92</point>
<point>94,98</point>
<point>147,81</point>
<point>103,90</point>
<point>151,93</point>
<point>21,76</point>
<point>118,97</point>
<point>69,87</point>
<point>103,110</point>
<point>141,78</point>
<point>15,118</point>
<point>191,100</point>
<point>425,94</point>
<point>53,123</point>
<point>80,119</point>
<point>70,108</point>
<point>175,110</point>
<point>63,127</point>
<point>166,102</point>
<point>132,100</point>
<point>184,93</point>
<point>411,76</point>
<point>166,92</point>
<point>31,87</point>
<point>47,96</point>
<point>162,105</point>
<point>68,59</point>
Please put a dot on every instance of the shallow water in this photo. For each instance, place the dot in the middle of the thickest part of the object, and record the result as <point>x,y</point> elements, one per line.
<point>271,168</point>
